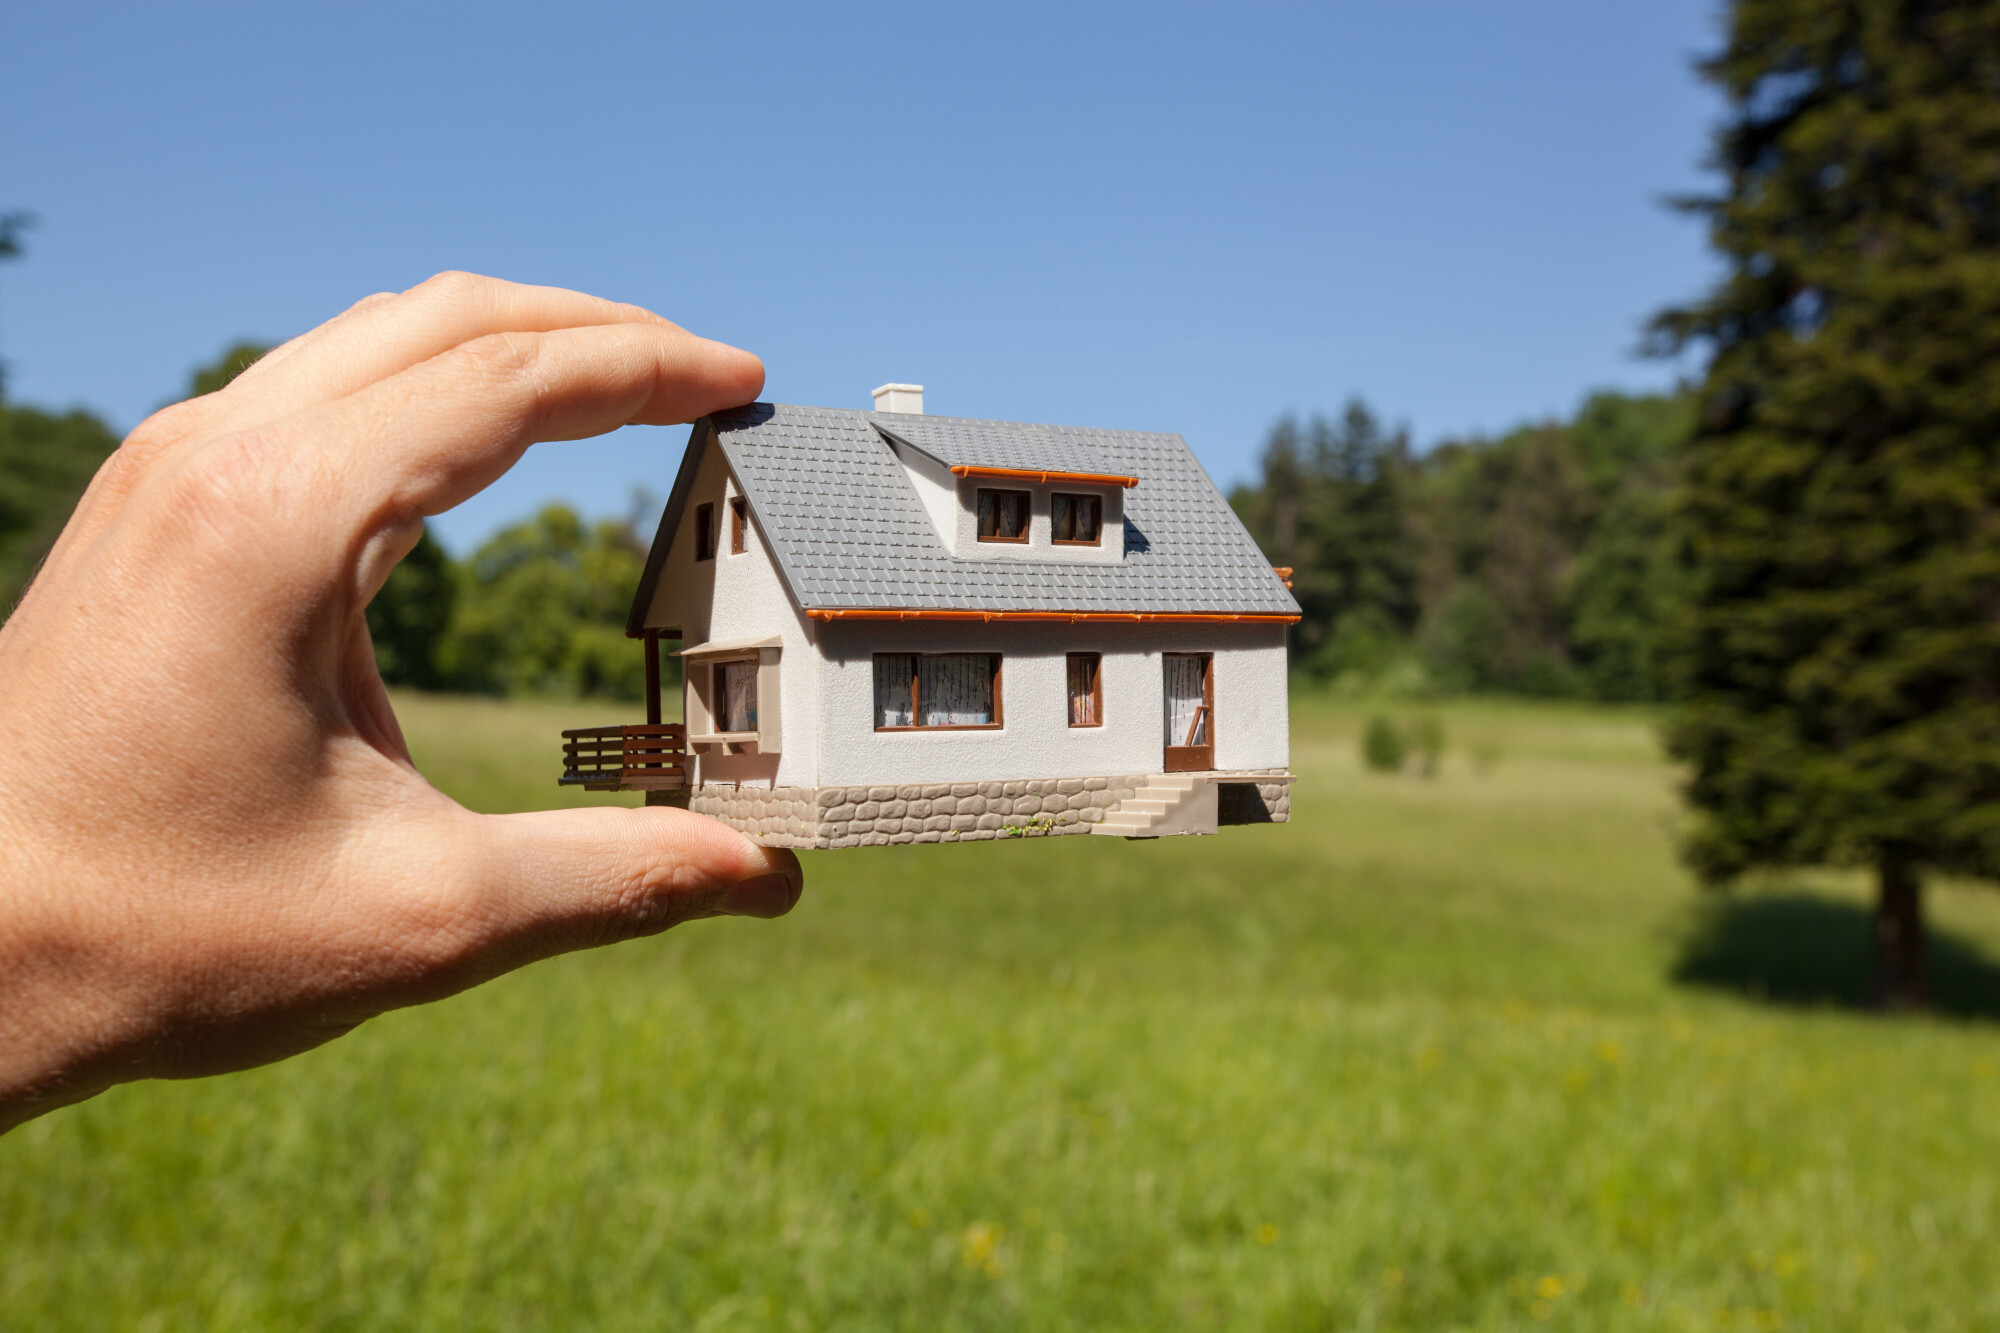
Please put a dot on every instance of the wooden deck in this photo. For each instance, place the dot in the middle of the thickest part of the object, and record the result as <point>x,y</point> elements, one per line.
<point>638,756</point>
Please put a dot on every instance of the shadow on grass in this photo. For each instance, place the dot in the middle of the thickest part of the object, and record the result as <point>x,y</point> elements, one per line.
<point>1797,949</point>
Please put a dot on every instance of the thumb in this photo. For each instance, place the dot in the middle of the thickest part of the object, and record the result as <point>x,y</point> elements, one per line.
<point>559,880</point>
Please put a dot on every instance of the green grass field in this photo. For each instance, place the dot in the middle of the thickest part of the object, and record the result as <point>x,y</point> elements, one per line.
<point>1461,1053</point>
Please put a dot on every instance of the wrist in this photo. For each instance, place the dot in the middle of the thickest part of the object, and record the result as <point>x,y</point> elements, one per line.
<point>59,1014</point>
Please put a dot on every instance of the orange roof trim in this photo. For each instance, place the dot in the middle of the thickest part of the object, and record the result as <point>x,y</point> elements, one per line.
<point>1029,474</point>
<point>1068,617</point>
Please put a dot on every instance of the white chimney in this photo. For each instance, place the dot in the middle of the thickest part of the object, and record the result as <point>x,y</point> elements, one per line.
<point>900,398</point>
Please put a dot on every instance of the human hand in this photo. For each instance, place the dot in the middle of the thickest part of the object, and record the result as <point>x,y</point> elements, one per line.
<point>214,850</point>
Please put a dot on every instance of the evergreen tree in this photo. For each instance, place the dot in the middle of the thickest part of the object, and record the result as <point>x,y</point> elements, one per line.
<point>1843,653</point>
<point>1628,586</point>
<point>1332,507</point>
<point>1501,523</point>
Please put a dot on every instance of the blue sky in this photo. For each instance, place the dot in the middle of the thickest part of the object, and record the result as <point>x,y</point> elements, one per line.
<point>1143,216</point>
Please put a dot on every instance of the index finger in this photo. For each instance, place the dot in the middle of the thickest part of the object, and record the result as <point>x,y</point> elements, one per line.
<point>425,439</point>
<point>385,335</point>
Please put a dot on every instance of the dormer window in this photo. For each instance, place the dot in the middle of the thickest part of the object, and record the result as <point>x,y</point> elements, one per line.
<point>1076,520</point>
<point>1044,497</point>
<point>1003,516</point>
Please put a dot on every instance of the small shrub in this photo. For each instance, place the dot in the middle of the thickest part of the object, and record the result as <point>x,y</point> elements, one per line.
<point>1383,747</point>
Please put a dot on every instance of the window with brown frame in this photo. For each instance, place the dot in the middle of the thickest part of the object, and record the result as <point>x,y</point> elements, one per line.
<point>735,696</point>
<point>704,532</point>
<point>1003,516</point>
<point>937,691</point>
<point>1076,520</point>
<point>1086,690</point>
<point>739,518</point>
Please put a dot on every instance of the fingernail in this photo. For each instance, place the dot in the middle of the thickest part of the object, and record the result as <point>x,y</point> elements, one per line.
<point>765,896</point>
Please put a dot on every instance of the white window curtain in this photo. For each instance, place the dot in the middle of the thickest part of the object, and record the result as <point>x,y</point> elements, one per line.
<point>955,691</point>
<point>892,689</point>
<point>1083,690</point>
<point>1075,518</point>
<point>1184,700</point>
<point>1003,516</point>
<point>736,684</point>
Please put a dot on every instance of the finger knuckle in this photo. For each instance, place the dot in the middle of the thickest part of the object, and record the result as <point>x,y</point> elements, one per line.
<point>653,898</point>
<point>372,299</point>
<point>211,495</point>
<point>455,285</point>
<point>163,430</point>
<point>502,355</point>
<point>508,368</point>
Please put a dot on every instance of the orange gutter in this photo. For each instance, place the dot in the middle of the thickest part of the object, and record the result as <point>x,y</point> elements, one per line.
<point>1067,617</point>
<point>1021,474</point>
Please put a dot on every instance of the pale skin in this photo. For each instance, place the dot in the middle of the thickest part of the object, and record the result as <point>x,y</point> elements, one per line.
<point>214,849</point>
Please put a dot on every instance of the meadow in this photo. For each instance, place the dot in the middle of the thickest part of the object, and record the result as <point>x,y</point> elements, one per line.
<point>1465,1052</point>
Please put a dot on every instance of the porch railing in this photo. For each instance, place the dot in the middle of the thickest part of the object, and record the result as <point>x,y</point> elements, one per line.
<point>638,756</point>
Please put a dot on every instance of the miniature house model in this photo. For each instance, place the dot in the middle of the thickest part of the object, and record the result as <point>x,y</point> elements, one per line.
<point>906,628</point>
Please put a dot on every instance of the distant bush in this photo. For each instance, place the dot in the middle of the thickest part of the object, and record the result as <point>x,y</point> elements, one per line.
<point>1383,748</point>
<point>1390,746</point>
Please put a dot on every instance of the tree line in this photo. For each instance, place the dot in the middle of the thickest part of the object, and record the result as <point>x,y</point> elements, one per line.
<point>538,609</point>
<point>1540,562</point>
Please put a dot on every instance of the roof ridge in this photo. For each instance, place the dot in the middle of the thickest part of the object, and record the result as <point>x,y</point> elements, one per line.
<point>935,418</point>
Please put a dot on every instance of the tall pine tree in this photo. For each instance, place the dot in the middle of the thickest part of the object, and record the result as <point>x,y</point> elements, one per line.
<point>1842,657</point>
<point>1332,508</point>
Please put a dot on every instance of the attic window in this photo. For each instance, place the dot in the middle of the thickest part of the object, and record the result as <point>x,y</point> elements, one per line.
<point>739,519</point>
<point>704,532</point>
<point>1003,516</point>
<point>936,691</point>
<point>1076,520</point>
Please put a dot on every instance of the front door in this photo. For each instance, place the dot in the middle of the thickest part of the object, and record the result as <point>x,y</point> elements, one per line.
<point>1190,712</point>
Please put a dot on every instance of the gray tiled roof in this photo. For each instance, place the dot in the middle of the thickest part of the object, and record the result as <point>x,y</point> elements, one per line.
<point>956,442</point>
<point>850,533</point>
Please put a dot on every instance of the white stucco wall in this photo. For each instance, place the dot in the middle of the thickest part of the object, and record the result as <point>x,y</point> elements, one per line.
<point>1036,740</point>
<point>741,597</point>
<point>935,487</point>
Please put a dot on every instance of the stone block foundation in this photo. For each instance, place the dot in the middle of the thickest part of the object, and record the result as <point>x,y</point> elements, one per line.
<point>878,815</point>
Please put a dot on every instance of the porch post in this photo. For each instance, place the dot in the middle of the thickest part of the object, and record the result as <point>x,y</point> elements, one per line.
<point>652,678</point>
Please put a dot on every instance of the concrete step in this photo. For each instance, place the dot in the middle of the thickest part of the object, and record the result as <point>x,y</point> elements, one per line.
<point>1169,803</point>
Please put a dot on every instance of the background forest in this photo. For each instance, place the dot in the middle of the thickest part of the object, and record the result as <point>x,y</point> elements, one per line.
<point>1541,562</point>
